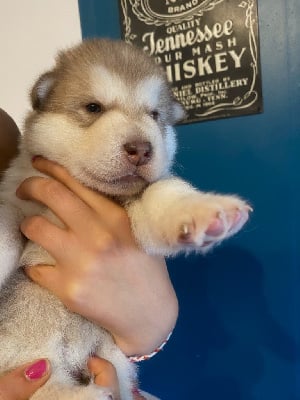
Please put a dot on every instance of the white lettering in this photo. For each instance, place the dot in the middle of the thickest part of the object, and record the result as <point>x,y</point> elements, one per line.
<point>219,46</point>
<point>231,42</point>
<point>181,40</point>
<point>177,72</point>
<point>189,69</point>
<point>178,55</point>
<point>196,50</point>
<point>183,7</point>
<point>221,62</point>
<point>208,49</point>
<point>204,66</point>
<point>237,57</point>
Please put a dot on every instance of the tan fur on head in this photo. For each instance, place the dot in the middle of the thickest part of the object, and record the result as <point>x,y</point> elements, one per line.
<point>132,103</point>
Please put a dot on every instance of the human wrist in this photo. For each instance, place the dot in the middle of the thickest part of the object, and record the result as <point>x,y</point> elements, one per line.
<point>148,336</point>
<point>145,357</point>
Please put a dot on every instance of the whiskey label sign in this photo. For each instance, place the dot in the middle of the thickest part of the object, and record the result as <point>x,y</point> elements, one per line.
<point>209,48</point>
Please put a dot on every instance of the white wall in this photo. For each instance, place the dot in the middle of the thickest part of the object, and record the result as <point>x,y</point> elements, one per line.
<point>31,32</point>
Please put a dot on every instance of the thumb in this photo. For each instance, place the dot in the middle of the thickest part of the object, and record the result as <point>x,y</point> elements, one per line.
<point>105,375</point>
<point>23,381</point>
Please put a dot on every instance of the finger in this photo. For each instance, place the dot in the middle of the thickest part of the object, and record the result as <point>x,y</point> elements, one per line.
<point>69,208</point>
<point>104,374</point>
<point>46,276</point>
<point>47,235</point>
<point>111,214</point>
<point>90,197</point>
<point>52,279</point>
<point>21,383</point>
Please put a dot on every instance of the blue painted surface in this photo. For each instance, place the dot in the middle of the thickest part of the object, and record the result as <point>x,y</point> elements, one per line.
<point>238,334</point>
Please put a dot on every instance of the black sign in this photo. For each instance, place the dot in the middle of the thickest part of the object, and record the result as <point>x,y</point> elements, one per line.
<point>209,49</point>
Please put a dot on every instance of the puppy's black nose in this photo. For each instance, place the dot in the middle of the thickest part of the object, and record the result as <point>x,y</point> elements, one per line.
<point>138,153</point>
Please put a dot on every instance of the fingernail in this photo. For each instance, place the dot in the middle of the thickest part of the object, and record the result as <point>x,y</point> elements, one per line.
<point>37,370</point>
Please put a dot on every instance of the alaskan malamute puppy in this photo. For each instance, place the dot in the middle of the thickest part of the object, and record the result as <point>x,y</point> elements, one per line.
<point>105,112</point>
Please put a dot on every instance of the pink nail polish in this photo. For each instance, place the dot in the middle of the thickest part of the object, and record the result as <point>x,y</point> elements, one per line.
<point>36,370</point>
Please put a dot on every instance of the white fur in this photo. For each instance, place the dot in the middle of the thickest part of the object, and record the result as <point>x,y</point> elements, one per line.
<point>107,86</point>
<point>44,87</point>
<point>149,91</point>
<point>34,323</point>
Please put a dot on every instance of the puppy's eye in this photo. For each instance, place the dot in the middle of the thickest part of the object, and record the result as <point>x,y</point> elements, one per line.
<point>154,115</point>
<point>94,108</point>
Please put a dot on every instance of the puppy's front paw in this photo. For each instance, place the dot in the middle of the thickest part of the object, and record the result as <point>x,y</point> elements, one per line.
<point>200,221</point>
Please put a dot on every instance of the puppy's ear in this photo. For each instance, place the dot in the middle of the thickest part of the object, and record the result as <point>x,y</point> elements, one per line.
<point>178,112</point>
<point>41,90</point>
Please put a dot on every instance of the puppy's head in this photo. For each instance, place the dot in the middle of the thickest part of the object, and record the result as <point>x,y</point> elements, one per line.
<point>106,113</point>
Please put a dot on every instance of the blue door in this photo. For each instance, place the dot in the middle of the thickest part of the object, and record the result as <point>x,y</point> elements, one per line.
<point>238,333</point>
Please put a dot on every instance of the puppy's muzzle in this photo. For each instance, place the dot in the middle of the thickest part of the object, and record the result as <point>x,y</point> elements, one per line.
<point>138,153</point>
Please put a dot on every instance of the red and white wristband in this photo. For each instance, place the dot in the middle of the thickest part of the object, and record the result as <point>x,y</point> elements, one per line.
<point>154,352</point>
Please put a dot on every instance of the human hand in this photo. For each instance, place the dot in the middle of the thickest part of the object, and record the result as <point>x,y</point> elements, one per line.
<point>104,375</point>
<point>100,272</point>
<point>23,381</point>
